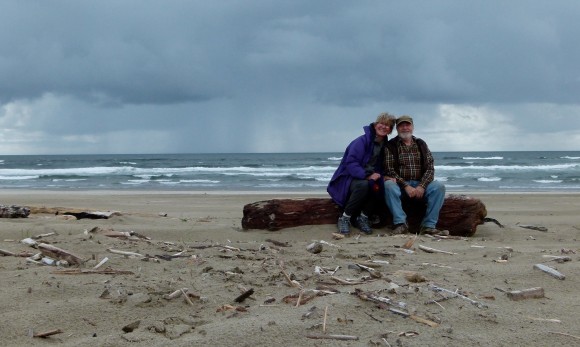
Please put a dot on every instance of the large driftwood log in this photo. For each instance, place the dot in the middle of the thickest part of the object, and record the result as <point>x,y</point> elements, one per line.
<point>460,214</point>
<point>14,211</point>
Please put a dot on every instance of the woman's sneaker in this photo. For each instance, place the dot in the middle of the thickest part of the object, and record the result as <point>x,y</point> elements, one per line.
<point>402,228</point>
<point>362,223</point>
<point>344,225</point>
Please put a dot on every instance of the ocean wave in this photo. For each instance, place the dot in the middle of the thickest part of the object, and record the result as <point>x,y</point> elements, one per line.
<point>482,158</point>
<point>24,177</point>
<point>334,158</point>
<point>548,181</point>
<point>489,179</point>
<point>569,157</point>
<point>508,167</point>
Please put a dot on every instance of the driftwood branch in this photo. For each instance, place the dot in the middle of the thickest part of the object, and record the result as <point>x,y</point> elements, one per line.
<point>58,253</point>
<point>333,337</point>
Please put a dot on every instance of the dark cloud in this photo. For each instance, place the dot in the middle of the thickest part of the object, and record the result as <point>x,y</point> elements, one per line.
<point>188,69</point>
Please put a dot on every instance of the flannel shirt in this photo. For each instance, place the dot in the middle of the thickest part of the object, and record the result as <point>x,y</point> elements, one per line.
<point>410,165</point>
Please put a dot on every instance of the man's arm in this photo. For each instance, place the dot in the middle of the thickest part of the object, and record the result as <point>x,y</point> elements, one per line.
<point>429,174</point>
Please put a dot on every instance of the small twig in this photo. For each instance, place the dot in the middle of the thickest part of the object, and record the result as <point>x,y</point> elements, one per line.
<point>433,250</point>
<point>324,320</point>
<point>184,293</point>
<point>333,337</point>
<point>439,289</point>
<point>48,333</point>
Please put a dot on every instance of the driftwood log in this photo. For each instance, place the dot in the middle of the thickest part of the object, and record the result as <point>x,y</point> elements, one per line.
<point>14,211</point>
<point>460,214</point>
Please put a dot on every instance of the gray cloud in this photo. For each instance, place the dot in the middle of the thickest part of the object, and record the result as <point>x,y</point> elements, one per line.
<point>109,76</point>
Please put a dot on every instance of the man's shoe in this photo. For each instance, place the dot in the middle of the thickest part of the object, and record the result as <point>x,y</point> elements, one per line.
<point>402,228</point>
<point>344,225</point>
<point>362,223</point>
<point>433,231</point>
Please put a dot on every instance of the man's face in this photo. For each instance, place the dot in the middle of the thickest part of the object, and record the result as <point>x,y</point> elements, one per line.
<point>405,130</point>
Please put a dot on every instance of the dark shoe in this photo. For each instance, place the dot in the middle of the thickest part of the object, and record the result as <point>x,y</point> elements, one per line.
<point>344,225</point>
<point>362,223</point>
<point>433,231</point>
<point>402,228</point>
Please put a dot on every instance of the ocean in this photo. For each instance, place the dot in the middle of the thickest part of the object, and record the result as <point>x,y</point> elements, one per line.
<point>286,172</point>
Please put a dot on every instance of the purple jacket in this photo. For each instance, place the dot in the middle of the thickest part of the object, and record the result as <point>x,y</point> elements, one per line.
<point>355,158</point>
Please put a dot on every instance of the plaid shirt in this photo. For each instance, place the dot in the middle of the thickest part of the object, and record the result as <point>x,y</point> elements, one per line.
<point>410,165</point>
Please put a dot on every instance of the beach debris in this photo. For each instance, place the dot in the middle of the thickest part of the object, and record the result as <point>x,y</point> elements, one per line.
<point>434,250</point>
<point>456,294</point>
<point>346,281</point>
<point>244,295</point>
<point>40,236</point>
<point>533,227</point>
<point>101,263</point>
<point>557,258</point>
<point>370,296</point>
<point>93,215</point>
<point>531,293</point>
<point>105,271</point>
<point>58,253</point>
<point>332,337</point>
<point>131,326</point>
<point>550,271</point>
<point>409,244</point>
<point>127,254</point>
<point>14,211</point>
<point>48,333</point>
<point>29,242</point>
<point>314,247</point>
<point>224,308</point>
<point>412,276</point>
<point>564,334</point>
<point>338,236</point>
<point>7,253</point>
<point>567,251</point>
<point>291,282</point>
<point>124,235</point>
<point>328,244</point>
<point>279,243</point>
<point>549,320</point>
<point>492,220</point>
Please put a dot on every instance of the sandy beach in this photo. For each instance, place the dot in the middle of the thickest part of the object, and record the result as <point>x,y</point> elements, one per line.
<point>193,242</point>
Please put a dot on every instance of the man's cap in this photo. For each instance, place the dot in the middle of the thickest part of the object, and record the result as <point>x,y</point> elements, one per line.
<point>405,118</point>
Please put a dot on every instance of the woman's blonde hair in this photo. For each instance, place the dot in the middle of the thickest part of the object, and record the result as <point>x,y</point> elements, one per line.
<point>386,118</point>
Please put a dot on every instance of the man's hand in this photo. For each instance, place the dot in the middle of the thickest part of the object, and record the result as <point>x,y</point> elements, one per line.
<point>375,176</point>
<point>419,192</point>
<point>411,192</point>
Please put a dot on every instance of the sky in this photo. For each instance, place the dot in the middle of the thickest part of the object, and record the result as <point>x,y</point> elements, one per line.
<point>199,76</point>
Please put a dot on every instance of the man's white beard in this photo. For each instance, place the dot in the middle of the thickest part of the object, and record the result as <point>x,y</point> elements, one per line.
<point>406,136</point>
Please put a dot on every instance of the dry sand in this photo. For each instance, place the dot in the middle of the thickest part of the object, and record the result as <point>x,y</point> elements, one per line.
<point>93,309</point>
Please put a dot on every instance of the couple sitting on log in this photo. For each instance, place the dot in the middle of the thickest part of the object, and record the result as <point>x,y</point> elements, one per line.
<point>374,171</point>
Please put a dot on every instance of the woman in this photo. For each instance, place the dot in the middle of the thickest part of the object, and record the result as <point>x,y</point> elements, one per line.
<point>360,171</point>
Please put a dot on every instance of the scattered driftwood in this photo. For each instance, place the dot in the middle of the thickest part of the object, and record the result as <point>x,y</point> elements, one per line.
<point>531,293</point>
<point>7,253</point>
<point>332,337</point>
<point>58,253</point>
<point>244,295</point>
<point>124,235</point>
<point>92,215</point>
<point>557,258</point>
<point>106,271</point>
<point>14,211</point>
<point>460,214</point>
<point>46,334</point>
<point>433,250</point>
<point>550,271</point>
<point>456,294</point>
<point>533,227</point>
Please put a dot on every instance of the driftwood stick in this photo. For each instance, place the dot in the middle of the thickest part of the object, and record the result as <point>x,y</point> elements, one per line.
<point>125,253</point>
<point>439,289</point>
<point>324,320</point>
<point>107,271</point>
<point>105,259</point>
<point>186,297</point>
<point>333,337</point>
<point>244,295</point>
<point>368,296</point>
<point>48,333</point>
<point>7,253</point>
<point>550,271</point>
<point>341,281</point>
<point>426,321</point>
<point>55,252</point>
<point>433,250</point>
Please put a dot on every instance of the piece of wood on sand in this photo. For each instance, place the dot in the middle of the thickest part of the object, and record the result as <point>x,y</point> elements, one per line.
<point>550,271</point>
<point>530,293</point>
<point>48,333</point>
<point>332,337</point>
<point>460,214</point>
<point>58,253</point>
<point>434,250</point>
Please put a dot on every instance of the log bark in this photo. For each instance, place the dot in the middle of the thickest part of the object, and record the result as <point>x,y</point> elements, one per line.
<point>460,214</point>
<point>14,211</point>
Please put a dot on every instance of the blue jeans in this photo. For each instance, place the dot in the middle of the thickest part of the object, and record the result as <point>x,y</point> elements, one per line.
<point>434,196</point>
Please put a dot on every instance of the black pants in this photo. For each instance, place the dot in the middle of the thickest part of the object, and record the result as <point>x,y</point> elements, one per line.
<point>360,198</point>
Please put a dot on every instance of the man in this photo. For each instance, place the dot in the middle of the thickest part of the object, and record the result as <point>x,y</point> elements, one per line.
<point>359,174</point>
<point>409,161</point>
